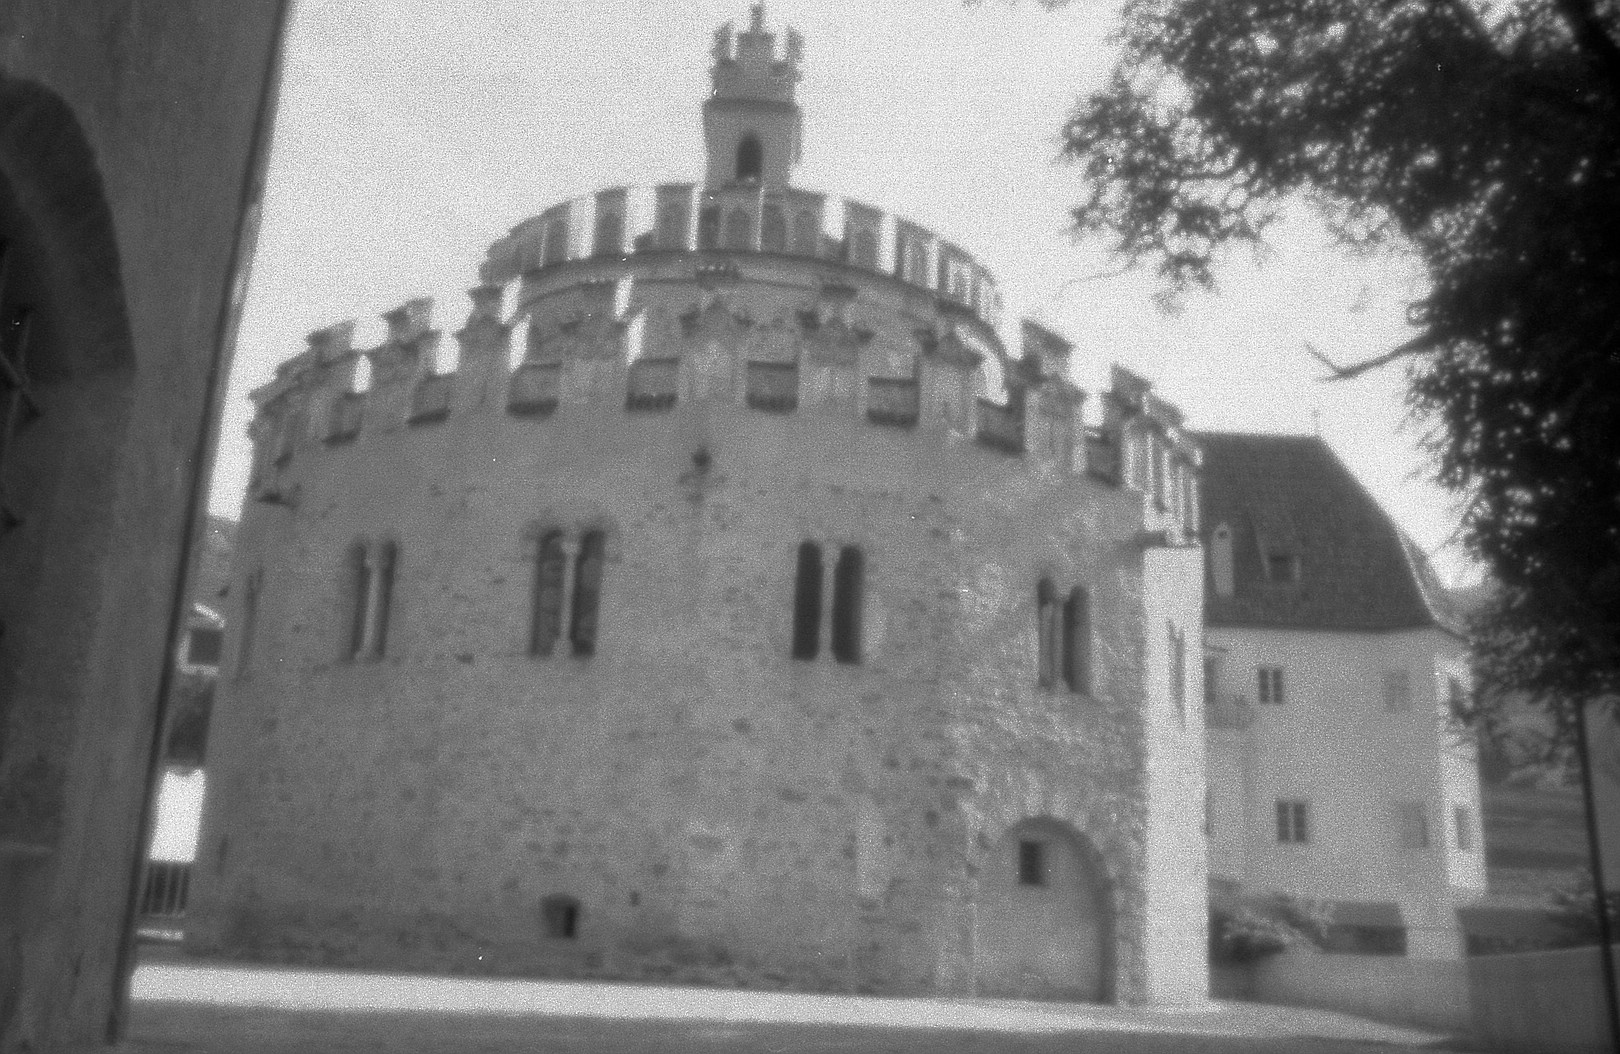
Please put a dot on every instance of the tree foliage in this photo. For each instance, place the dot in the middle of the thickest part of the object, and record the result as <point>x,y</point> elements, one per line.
<point>1485,138</point>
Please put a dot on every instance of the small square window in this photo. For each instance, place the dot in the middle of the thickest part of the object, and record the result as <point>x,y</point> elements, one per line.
<point>560,917</point>
<point>1031,863</point>
<point>1462,825</point>
<point>203,647</point>
<point>1282,567</point>
<point>1293,821</point>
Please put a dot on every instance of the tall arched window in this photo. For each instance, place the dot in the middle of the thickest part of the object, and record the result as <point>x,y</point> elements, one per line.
<point>750,158</point>
<point>370,574</point>
<point>358,567</point>
<point>846,610</point>
<point>1045,637</point>
<point>1077,641</point>
<point>807,602</point>
<point>587,593</point>
<point>387,557</point>
<point>546,618</point>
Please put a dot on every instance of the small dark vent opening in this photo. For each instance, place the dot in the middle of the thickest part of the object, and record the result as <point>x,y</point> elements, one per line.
<point>560,916</point>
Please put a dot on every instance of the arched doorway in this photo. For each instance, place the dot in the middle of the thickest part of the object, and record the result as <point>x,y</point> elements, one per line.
<point>1045,916</point>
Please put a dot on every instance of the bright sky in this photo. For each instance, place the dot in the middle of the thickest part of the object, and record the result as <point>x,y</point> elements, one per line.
<point>413,133</point>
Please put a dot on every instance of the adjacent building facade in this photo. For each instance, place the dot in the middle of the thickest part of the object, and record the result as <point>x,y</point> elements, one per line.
<point>1335,771</point>
<point>738,606</point>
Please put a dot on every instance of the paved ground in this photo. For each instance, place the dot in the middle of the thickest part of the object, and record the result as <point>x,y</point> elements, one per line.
<point>190,1008</point>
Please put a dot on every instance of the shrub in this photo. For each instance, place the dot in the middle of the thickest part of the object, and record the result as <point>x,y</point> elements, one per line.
<point>1248,932</point>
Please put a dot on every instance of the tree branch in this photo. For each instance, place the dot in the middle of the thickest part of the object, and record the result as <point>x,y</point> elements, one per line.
<point>1416,346</point>
<point>1592,37</point>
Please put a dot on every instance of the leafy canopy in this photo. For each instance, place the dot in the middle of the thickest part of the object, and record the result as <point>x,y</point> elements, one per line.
<point>1485,138</point>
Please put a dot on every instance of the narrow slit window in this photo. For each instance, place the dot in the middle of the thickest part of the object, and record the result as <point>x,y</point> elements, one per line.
<point>546,617</point>
<point>587,593</point>
<point>846,612</point>
<point>1045,645</point>
<point>1031,863</point>
<point>359,574</point>
<point>750,158</point>
<point>387,558</point>
<point>1293,822</point>
<point>1077,641</point>
<point>807,603</point>
<point>1177,641</point>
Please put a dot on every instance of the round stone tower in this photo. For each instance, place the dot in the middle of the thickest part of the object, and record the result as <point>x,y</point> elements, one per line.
<point>737,609</point>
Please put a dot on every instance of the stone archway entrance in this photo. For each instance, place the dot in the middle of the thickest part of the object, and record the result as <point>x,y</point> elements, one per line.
<point>1045,918</point>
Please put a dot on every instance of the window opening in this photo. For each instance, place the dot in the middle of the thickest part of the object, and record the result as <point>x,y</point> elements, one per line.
<point>1031,863</point>
<point>1462,825</point>
<point>1293,821</point>
<point>1270,684</point>
<point>386,558</point>
<point>1177,641</point>
<point>750,158</point>
<point>1044,625</point>
<point>587,593</point>
<point>203,647</point>
<point>1077,640</point>
<point>1282,566</point>
<point>560,917</point>
<point>846,611</point>
<point>360,593</point>
<point>807,603</point>
<point>546,618</point>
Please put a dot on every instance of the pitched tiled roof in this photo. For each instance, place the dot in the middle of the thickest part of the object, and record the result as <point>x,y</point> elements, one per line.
<point>1290,496</point>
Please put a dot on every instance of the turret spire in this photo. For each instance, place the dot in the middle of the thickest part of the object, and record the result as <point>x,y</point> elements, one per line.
<point>750,120</point>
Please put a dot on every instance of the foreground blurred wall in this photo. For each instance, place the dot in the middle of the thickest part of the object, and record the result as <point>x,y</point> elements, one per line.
<point>131,149</point>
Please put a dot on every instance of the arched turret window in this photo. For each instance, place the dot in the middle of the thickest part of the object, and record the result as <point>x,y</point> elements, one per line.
<point>807,602</point>
<point>1077,641</point>
<point>750,158</point>
<point>846,611</point>
<point>587,593</point>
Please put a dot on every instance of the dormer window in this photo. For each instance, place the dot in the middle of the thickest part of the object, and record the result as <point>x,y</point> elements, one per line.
<point>750,159</point>
<point>1282,566</point>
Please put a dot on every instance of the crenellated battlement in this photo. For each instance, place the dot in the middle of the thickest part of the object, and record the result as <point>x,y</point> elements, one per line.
<point>749,67</point>
<point>665,334</point>
<point>625,222</point>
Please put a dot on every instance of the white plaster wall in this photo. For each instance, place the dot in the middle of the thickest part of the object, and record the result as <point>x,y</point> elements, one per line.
<point>1175,873</point>
<point>1334,744</point>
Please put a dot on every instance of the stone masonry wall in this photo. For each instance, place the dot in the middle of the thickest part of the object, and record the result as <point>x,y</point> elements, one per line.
<point>720,810</point>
